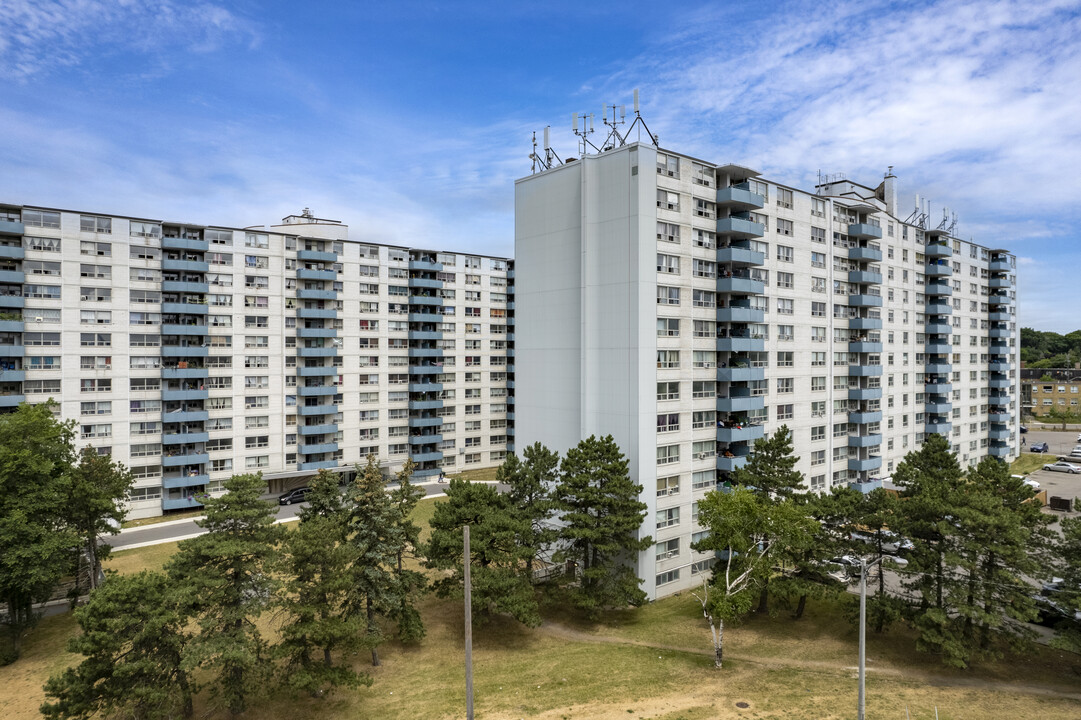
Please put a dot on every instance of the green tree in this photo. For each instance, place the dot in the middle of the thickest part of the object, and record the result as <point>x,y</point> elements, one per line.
<point>317,562</point>
<point>375,538</point>
<point>226,580</point>
<point>96,490</point>
<point>133,639</point>
<point>36,540</point>
<point>771,473</point>
<point>747,532</point>
<point>496,558</point>
<point>530,483</point>
<point>602,518</point>
<point>1068,552</point>
<point>411,583</point>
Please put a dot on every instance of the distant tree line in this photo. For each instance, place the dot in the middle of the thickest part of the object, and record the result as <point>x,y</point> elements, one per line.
<point>1041,349</point>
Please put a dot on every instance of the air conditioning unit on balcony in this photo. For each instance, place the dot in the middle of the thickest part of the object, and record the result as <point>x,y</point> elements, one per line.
<point>700,456</point>
<point>670,554</point>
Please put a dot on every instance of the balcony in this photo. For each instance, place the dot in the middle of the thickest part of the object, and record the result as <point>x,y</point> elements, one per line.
<point>419,422</point>
<point>1000,434</point>
<point>318,390</point>
<point>12,301</point>
<point>316,256</point>
<point>1000,266</point>
<point>740,344</point>
<point>318,371</point>
<point>741,374</point>
<point>12,376</point>
<point>182,503</point>
<point>862,417</point>
<point>740,315</point>
<point>938,271</point>
<point>425,439</point>
<point>999,383</point>
<point>12,400</point>
<point>937,328</point>
<point>321,429</point>
<point>183,351</point>
<point>178,416</point>
<point>1001,366</point>
<point>999,316</point>
<point>999,283</point>
<point>997,349</point>
<point>425,369</point>
<point>425,265</point>
<point>998,299</point>
<point>740,256</point>
<point>426,352</point>
<point>864,231</point>
<point>740,228</point>
<point>313,332</point>
<point>728,464</point>
<point>938,289</point>
<point>740,286</point>
<point>425,300</point>
<point>316,448</point>
<point>999,417</point>
<point>425,335</point>
<point>316,313</point>
<point>15,227</point>
<point>864,277</point>
<point>865,464</point>
<point>180,243</point>
<point>938,388</point>
<point>861,441</point>
<point>425,404</point>
<point>183,286</point>
<point>939,308</point>
<point>865,300</point>
<point>997,332</point>
<point>188,458</point>
<point>937,427</point>
<point>747,433</point>
<point>184,329</point>
<point>938,250</point>
<point>187,480</point>
<point>185,373</point>
<point>937,408</point>
<point>313,352</point>
<point>429,283</point>
<point>739,198</point>
<point>871,393</point>
<point>317,465</point>
<point>997,397</point>
<point>865,346</point>
<point>424,387</point>
<point>864,370</point>
<point>314,410</point>
<point>184,438</point>
<point>305,294</point>
<point>185,308</point>
<point>169,395</point>
<point>323,275</point>
<point>426,457</point>
<point>999,451</point>
<point>12,326</point>
<point>426,317</point>
<point>192,266</point>
<point>865,323</point>
<point>12,276</point>
<point>937,348</point>
<point>865,254</point>
<point>744,403</point>
<point>11,252</point>
<point>937,368</point>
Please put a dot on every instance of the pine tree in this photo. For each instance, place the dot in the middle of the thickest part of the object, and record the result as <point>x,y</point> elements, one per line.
<point>96,489</point>
<point>133,639</point>
<point>226,581</point>
<point>602,517</point>
<point>1068,565</point>
<point>317,563</point>
<point>531,483</point>
<point>499,585</point>
<point>875,514</point>
<point>375,539</point>
<point>411,583</point>
<point>771,473</point>
<point>36,455</point>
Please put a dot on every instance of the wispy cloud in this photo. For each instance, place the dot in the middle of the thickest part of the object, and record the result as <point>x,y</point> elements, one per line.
<point>40,36</point>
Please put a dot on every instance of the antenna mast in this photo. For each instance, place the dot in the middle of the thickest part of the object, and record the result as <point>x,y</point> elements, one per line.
<point>587,129</point>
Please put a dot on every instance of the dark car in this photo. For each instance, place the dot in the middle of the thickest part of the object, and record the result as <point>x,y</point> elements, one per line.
<point>1038,447</point>
<point>295,495</point>
<point>1024,429</point>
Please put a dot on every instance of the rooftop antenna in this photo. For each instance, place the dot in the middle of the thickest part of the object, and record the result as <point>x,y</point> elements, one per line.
<point>638,119</point>
<point>615,139</point>
<point>545,161</point>
<point>587,129</point>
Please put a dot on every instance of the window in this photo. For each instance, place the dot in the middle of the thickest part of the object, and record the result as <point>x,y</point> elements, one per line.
<point>667,264</point>
<point>784,412</point>
<point>667,454</point>
<point>667,327</point>
<point>90,223</point>
<point>784,358</point>
<point>668,232</point>
<point>784,280</point>
<point>784,227</point>
<point>667,549</point>
<point>667,422</point>
<point>701,389</point>
<point>784,198</point>
<point>667,518</point>
<point>702,298</point>
<point>818,260</point>
<point>668,165</point>
<point>667,359</point>
<point>786,306</point>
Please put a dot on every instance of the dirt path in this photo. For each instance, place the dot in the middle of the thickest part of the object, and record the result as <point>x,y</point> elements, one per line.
<point>566,633</point>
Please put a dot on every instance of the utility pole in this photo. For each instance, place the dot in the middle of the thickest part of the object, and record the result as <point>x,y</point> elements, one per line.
<point>863,631</point>
<point>466,562</point>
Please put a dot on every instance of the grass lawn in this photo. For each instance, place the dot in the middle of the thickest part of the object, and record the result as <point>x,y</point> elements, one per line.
<point>654,663</point>
<point>1028,462</point>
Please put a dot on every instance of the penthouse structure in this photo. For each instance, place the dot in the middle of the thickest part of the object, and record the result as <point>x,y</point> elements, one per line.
<point>688,308</point>
<point>193,352</point>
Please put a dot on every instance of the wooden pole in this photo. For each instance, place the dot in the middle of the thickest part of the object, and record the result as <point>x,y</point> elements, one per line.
<point>466,562</point>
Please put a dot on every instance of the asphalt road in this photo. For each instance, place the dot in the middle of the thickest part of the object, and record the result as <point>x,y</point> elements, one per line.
<point>1060,443</point>
<point>171,531</point>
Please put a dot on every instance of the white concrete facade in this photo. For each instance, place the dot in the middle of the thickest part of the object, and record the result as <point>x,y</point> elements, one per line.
<point>687,308</point>
<point>192,352</point>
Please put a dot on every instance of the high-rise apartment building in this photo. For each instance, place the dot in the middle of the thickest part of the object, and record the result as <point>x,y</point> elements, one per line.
<point>687,308</point>
<point>193,352</point>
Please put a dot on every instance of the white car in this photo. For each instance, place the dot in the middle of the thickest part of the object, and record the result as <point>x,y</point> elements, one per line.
<point>1031,483</point>
<point>1063,467</point>
<point>891,541</point>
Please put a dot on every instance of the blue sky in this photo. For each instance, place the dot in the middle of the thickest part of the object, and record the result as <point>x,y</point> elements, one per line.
<point>410,120</point>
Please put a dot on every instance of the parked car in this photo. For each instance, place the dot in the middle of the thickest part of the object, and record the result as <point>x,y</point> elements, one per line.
<point>1063,467</point>
<point>295,495</point>
<point>1024,429</point>
<point>1038,447</point>
<point>892,543</point>
<point>844,568</point>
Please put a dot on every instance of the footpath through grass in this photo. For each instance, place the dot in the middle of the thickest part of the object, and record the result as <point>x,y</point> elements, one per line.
<point>654,662</point>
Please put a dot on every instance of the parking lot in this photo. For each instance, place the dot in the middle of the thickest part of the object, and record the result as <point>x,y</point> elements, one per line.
<point>1058,484</point>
